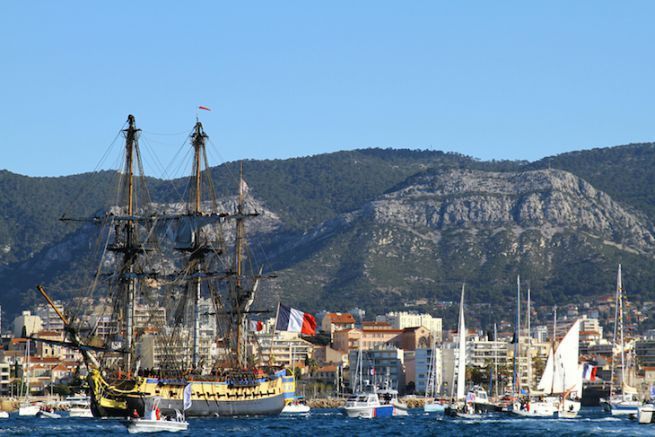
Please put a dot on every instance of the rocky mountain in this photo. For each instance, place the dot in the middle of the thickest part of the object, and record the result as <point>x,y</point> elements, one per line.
<point>416,244</point>
<point>380,229</point>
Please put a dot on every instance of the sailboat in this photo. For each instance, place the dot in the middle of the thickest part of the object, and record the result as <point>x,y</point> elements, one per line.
<point>236,386</point>
<point>626,401</point>
<point>296,404</point>
<point>460,405</point>
<point>561,381</point>
<point>430,402</point>
<point>533,404</point>
<point>26,408</point>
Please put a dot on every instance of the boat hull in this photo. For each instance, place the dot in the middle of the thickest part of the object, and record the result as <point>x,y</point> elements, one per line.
<point>296,409</point>
<point>28,410</point>
<point>369,412</point>
<point>148,426</point>
<point>434,408</point>
<point>621,408</point>
<point>267,406</point>
<point>646,414</point>
<point>569,409</point>
<point>535,409</point>
<point>264,397</point>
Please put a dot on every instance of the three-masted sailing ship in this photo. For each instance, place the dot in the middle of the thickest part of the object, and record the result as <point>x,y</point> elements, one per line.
<point>117,384</point>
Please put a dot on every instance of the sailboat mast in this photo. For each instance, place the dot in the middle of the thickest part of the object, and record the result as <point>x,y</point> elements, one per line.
<point>618,312</point>
<point>461,365</point>
<point>238,250</point>
<point>529,345</point>
<point>552,384</point>
<point>517,340</point>
<point>496,359</point>
<point>620,308</point>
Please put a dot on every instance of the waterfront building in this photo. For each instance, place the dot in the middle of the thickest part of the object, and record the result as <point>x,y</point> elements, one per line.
<point>5,378</point>
<point>404,319</point>
<point>380,365</point>
<point>27,324</point>
<point>278,347</point>
<point>336,322</point>
<point>49,317</point>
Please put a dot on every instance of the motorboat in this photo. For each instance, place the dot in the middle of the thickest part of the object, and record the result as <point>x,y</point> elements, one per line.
<point>375,403</point>
<point>4,415</point>
<point>153,421</point>
<point>546,407</point>
<point>622,404</point>
<point>296,406</point>
<point>433,406</point>
<point>48,413</point>
<point>29,410</point>
<point>480,399</point>
<point>136,425</point>
<point>646,414</point>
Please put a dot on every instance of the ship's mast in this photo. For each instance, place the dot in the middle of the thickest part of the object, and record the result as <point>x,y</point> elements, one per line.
<point>198,142</point>
<point>131,247</point>
<point>238,253</point>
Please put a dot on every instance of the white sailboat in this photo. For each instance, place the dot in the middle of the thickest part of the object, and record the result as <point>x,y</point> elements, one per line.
<point>430,403</point>
<point>561,382</point>
<point>533,405</point>
<point>626,402</point>
<point>26,408</point>
<point>297,404</point>
<point>460,407</point>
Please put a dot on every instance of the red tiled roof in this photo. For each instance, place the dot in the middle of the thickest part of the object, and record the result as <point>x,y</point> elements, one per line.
<point>388,331</point>
<point>340,318</point>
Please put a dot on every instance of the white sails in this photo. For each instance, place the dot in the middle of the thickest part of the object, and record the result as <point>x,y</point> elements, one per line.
<point>461,357</point>
<point>562,373</point>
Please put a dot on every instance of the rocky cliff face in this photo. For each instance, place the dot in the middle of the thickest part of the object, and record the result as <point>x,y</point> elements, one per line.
<point>418,242</point>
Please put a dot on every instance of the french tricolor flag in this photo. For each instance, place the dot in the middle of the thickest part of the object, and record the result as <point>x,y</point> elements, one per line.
<point>293,320</point>
<point>589,372</point>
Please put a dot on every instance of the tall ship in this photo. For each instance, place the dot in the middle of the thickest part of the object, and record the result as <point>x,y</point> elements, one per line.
<point>155,256</point>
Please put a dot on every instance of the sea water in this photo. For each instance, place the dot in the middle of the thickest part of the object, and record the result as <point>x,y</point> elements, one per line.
<point>324,422</point>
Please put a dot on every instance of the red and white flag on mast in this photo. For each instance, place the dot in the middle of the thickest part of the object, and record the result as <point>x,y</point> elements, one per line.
<point>255,325</point>
<point>205,108</point>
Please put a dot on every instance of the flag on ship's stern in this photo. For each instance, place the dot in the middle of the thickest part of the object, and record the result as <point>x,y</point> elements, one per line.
<point>293,320</point>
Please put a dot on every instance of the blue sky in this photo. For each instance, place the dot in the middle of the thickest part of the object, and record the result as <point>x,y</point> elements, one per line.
<point>518,80</point>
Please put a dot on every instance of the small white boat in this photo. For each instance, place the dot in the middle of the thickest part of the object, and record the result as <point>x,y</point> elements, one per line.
<point>44,414</point>
<point>433,407</point>
<point>4,415</point>
<point>155,422</point>
<point>646,414</point>
<point>135,426</point>
<point>28,410</point>
<point>297,406</point>
<point>536,408</point>
<point>622,404</point>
